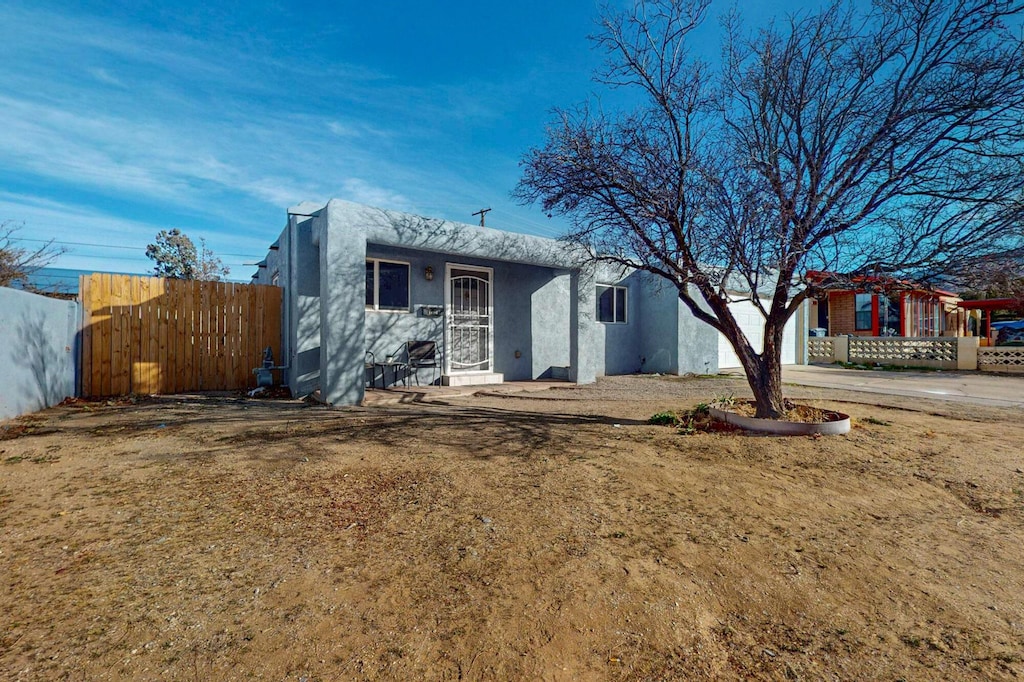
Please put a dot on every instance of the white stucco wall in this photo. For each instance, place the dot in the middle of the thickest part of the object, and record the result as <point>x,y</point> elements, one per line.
<point>37,351</point>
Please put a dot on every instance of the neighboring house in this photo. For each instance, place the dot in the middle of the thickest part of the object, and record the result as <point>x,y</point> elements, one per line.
<point>980,312</point>
<point>500,306</point>
<point>876,306</point>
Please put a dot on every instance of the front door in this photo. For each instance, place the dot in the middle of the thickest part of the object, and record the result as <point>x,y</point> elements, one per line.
<point>469,330</point>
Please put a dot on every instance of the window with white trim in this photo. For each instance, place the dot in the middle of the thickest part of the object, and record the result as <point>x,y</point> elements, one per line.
<point>611,304</point>
<point>387,285</point>
<point>863,306</point>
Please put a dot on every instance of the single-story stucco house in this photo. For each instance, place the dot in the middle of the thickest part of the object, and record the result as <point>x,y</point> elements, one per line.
<point>499,306</point>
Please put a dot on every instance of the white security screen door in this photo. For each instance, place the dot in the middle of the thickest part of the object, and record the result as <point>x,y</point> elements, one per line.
<point>468,317</point>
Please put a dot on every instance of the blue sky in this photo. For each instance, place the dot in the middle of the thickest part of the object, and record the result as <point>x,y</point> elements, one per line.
<point>118,120</point>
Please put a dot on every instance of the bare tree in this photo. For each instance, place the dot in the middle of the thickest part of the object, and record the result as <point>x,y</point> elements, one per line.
<point>888,142</point>
<point>18,263</point>
<point>210,267</point>
<point>176,256</point>
<point>995,276</point>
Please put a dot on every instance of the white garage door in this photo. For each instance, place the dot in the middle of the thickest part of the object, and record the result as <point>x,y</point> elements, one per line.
<point>752,323</point>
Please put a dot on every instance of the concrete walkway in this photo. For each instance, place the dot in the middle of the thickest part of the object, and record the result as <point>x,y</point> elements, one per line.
<point>967,387</point>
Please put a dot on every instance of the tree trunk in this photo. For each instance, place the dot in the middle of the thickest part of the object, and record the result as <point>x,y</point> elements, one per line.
<point>766,383</point>
<point>764,373</point>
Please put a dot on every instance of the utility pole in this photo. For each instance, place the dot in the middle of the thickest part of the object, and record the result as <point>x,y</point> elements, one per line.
<point>482,212</point>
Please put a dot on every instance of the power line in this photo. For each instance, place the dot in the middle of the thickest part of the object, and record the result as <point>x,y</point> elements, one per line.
<point>504,220</point>
<point>139,262</point>
<point>111,246</point>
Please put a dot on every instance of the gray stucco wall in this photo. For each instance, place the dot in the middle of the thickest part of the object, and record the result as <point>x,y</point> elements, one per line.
<point>659,344</point>
<point>37,351</point>
<point>550,324</point>
<point>303,317</point>
<point>619,345</point>
<point>697,351</point>
<point>672,340</point>
<point>296,264</point>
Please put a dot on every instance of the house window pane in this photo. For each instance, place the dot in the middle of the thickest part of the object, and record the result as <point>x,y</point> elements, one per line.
<point>605,304</point>
<point>369,284</point>
<point>888,316</point>
<point>611,304</point>
<point>392,286</point>
<point>863,307</point>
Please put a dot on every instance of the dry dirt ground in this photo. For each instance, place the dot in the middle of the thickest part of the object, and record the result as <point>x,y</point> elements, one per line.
<point>546,536</point>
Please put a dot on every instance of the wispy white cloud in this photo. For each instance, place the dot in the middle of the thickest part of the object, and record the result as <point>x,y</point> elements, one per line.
<point>363,192</point>
<point>97,238</point>
<point>104,76</point>
<point>41,219</point>
<point>226,135</point>
<point>342,130</point>
<point>357,129</point>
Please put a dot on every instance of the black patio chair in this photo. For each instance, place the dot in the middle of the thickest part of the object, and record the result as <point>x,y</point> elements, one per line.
<point>421,354</point>
<point>370,363</point>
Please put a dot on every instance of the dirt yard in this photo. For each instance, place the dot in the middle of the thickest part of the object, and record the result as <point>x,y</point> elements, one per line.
<point>544,536</point>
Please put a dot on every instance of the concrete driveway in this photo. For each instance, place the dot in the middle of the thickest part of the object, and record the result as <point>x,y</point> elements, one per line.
<point>967,387</point>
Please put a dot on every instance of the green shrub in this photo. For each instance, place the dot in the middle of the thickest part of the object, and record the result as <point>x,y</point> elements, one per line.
<point>664,419</point>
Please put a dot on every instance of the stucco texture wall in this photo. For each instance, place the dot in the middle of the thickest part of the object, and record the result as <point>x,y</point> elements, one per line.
<point>618,344</point>
<point>37,351</point>
<point>673,341</point>
<point>697,346</point>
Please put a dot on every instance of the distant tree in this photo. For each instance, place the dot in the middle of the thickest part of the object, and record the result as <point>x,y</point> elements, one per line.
<point>176,256</point>
<point>210,267</point>
<point>996,276</point>
<point>887,140</point>
<point>17,263</point>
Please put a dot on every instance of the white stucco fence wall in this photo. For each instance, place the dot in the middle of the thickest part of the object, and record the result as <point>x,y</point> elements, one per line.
<point>37,351</point>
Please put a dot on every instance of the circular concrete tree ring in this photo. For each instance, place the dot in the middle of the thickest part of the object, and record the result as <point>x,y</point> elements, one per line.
<point>784,428</point>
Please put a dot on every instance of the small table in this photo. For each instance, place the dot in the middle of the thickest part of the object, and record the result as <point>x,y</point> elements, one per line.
<point>395,366</point>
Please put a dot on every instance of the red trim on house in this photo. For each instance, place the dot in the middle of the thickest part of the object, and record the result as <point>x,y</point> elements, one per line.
<point>874,315</point>
<point>828,302</point>
<point>990,304</point>
<point>822,276</point>
<point>904,313</point>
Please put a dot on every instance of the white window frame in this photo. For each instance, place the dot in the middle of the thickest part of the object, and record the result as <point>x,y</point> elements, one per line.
<point>376,286</point>
<point>616,318</point>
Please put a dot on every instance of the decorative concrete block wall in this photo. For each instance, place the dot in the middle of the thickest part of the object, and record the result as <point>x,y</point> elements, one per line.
<point>946,352</point>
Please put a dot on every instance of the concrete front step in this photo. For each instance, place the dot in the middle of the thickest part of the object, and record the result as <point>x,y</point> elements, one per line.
<point>416,394</point>
<point>475,379</point>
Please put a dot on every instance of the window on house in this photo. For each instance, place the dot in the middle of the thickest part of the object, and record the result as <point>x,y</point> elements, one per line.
<point>611,304</point>
<point>888,315</point>
<point>387,285</point>
<point>275,279</point>
<point>863,307</point>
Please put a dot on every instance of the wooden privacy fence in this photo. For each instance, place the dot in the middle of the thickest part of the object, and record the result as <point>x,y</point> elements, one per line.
<point>155,335</point>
